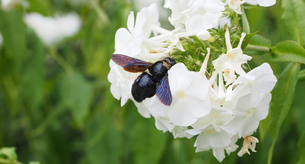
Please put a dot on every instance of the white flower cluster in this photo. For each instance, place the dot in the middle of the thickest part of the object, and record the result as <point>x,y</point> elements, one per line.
<point>217,110</point>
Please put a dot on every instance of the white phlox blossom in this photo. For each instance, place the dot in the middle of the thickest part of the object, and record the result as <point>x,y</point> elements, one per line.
<point>235,5</point>
<point>177,7</point>
<point>218,104</point>
<point>52,29</point>
<point>152,23</point>
<point>128,41</point>
<point>258,82</point>
<point>234,57</point>
<point>215,139</point>
<point>203,15</point>
<point>247,115</point>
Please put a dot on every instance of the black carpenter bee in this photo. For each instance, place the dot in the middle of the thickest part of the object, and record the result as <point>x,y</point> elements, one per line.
<point>148,84</point>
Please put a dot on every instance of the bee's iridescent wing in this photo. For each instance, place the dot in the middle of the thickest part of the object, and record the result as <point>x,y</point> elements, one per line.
<point>163,91</point>
<point>130,64</point>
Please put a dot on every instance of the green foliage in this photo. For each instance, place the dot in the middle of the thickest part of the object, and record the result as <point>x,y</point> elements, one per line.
<point>8,156</point>
<point>301,146</point>
<point>294,19</point>
<point>56,105</point>
<point>75,93</point>
<point>148,143</point>
<point>288,51</point>
<point>280,105</point>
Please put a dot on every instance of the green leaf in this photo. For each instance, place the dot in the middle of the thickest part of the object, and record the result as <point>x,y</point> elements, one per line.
<point>260,41</point>
<point>247,40</point>
<point>294,19</point>
<point>34,162</point>
<point>258,45</point>
<point>13,31</point>
<point>302,75</point>
<point>288,51</point>
<point>148,142</point>
<point>33,72</point>
<point>301,146</point>
<point>42,7</point>
<point>280,105</point>
<point>103,142</point>
<point>245,22</point>
<point>8,153</point>
<point>76,94</point>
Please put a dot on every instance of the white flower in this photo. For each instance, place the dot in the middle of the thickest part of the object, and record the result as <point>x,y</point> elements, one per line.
<point>258,82</point>
<point>203,15</point>
<point>51,30</point>
<point>215,139</point>
<point>177,18</point>
<point>249,143</point>
<point>247,115</point>
<point>152,20</point>
<point>189,97</point>
<point>121,82</point>
<point>264,3</point>
<point>228,73</point>
<point>235,5</point>
<point>128,42</point>
<point>234,56</point>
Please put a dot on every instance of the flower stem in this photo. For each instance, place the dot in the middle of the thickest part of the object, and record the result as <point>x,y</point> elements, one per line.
<point>257,48</point>
<point>60,60</point>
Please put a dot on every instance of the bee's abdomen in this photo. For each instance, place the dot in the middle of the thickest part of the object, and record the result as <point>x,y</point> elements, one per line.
<point>143,87</point>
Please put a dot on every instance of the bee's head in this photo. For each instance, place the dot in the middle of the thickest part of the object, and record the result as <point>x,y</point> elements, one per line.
<point>170,61</point>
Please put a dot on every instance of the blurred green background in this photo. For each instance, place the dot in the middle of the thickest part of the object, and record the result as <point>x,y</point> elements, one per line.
<point>56,106</point>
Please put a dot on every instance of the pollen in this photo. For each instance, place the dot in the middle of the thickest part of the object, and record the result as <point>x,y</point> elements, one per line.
<point>227,71</point>
<point>211,131</point>
<point>233,1</point>
<point>231,54</point>
<point>251,111</point>
<point>180,94</point>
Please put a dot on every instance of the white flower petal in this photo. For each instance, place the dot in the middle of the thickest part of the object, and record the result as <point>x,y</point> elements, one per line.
<point>198,108</point>
<point>180,115</point>
<point>156,108</point>
<point>266,3</point>
<point>219,154</point>
<point>220,139</point>
<point>179,78</point>
<point>140,20</point>
<point>130,21</point>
